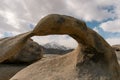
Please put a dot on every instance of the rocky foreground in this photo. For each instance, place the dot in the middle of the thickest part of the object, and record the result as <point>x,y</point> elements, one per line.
<point>29,54</point>
<point>93,59</point>
<point>13,65</point>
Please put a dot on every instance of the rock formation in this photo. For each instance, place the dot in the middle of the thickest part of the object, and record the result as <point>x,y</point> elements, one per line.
<point>31,52</point>
<point>116,47</point>
<point>11,46</point>
<point>9,70</point>
<point>93,59</point>
<point>117,51</point>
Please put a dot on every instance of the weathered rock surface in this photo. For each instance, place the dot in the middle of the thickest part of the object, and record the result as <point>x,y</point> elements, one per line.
<point>11,46</point>
<point>93,59</point>
<point>117,50</point>
<point>116,47</point>
<point>31,52</point>
<point>9,70</point>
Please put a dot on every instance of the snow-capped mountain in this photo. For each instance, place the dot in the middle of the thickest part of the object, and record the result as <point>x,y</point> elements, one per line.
<point>55,48</point>
<point>55,45</point>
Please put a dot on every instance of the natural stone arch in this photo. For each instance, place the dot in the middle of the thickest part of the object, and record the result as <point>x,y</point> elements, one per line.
<point>92,46</point>
<point>92,50</point>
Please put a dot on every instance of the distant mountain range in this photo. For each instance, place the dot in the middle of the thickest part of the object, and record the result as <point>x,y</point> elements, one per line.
<point>55,48</point>
<point>55,45</point>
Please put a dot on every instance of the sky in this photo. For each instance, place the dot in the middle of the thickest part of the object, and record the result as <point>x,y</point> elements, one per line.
<point>19,16</point>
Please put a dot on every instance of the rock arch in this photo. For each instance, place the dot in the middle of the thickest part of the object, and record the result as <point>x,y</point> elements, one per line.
<point>94,55</point>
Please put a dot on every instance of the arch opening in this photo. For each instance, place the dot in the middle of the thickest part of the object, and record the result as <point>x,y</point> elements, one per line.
<point>56,44</point>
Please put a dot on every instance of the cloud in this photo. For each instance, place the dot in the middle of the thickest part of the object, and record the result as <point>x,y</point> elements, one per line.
<point>111,26</point>
<point>18,16</point>
<point>1,35</point>
<point>22,12</point>
<point>113,41</point>
<point>10,18</point>
<point>96,29</point>
<point>91,9</point>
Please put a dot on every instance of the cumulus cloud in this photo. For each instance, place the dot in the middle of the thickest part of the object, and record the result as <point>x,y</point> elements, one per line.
<point>91,9</point>
<point>111,26</point>
<point>11,18</point>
